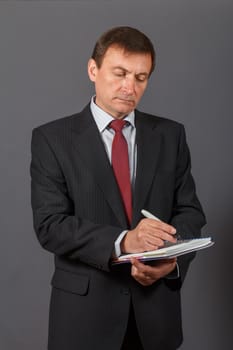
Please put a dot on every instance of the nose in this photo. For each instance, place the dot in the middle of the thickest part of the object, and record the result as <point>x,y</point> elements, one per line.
<point>128,85</point>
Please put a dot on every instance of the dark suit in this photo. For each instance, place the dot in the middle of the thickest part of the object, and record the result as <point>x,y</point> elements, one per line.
<point>78,215</point>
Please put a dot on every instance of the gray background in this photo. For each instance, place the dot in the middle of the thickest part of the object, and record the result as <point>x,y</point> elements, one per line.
<point>44,47</point>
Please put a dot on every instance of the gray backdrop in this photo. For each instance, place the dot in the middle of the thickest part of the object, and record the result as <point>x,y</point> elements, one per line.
<point>44,47</point>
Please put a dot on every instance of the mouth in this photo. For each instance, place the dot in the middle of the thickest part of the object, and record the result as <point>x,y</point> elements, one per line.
<point>126,100</point>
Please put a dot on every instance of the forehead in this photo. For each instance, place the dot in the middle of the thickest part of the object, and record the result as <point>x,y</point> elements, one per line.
<point>118,57</point>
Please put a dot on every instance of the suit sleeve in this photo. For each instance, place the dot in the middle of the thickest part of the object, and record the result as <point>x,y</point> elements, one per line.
<point>58,229</point>
<point>187,216</point>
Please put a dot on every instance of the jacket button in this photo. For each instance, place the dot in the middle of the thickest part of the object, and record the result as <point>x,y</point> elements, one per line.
<point>124,291</point>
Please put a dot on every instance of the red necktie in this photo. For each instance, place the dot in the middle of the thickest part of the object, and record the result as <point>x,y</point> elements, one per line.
<point>120,164</point>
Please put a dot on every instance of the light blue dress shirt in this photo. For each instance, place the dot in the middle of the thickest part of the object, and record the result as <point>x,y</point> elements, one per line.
<point>103,120</point>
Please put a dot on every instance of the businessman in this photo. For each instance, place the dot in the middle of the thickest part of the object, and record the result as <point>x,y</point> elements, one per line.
<point>92,174</point>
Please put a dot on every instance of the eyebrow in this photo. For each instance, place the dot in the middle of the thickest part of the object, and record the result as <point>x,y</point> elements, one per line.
<point>121,68</point>
<point>127,71</point>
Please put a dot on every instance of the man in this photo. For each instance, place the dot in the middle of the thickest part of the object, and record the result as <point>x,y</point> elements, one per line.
<point>92,174</point>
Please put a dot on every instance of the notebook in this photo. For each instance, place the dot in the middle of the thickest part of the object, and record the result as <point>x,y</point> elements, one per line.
<point>170,250</point>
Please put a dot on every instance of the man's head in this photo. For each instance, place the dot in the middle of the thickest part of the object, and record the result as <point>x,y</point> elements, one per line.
<point>121,63</point>
<point>128,39</point>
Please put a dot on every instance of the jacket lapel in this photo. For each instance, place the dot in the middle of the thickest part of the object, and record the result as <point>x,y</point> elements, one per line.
<point>148,140</point>
<point>89,145</point>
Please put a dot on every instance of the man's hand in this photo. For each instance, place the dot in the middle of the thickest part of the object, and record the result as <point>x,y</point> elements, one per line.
<point>148,235</point>
<point>146,275</point>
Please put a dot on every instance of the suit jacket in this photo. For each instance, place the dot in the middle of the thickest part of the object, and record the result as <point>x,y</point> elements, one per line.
<point>78,215</point>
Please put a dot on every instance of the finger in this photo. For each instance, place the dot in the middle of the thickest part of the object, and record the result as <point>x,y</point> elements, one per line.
<point>141,278</point>
<point>161,235</point>
<point>167,261</point>
<point>145,282</point>
<point>161,226</point>
<point>138,275</point>
<point>138,264</point>
<point>140,268</point>
<point>158,239</point>
<point>158,264</point>
<point>153,244</point>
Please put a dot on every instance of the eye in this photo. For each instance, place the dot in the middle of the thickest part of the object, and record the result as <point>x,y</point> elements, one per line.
<point>141,78</point>
<point>119,73</point>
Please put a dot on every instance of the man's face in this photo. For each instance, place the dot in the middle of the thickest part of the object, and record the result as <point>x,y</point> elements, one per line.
<point>120,81</point>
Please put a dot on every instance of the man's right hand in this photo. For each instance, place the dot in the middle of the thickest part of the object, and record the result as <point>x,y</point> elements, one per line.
<point>148,235</point>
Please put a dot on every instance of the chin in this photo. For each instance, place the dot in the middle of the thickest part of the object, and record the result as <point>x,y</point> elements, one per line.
<point>123,113</point>
<point>127,109</point>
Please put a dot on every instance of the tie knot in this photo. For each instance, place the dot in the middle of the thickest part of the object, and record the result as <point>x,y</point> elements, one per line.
<point>117,124</point>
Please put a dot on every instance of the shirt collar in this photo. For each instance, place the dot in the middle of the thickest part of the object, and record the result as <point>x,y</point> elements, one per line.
<point>103,119</point>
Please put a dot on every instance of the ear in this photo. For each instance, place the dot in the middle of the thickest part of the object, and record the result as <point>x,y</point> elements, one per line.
<point>92,69</point>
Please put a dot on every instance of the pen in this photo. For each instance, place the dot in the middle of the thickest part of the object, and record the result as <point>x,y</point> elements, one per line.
<point>148,215</point>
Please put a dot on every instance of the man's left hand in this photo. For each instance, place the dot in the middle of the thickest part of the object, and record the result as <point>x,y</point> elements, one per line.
<point>146,275</point>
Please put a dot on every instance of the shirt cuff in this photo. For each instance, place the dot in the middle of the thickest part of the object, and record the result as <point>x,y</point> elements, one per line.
<point>174,274</point>
<point>117,244</point>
